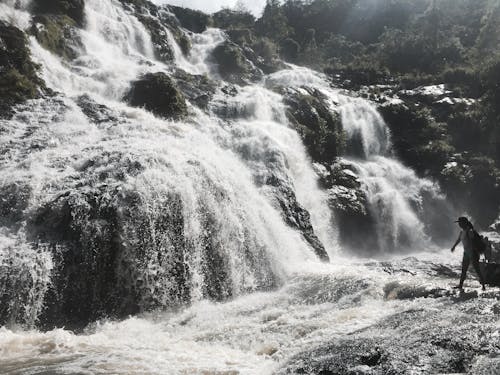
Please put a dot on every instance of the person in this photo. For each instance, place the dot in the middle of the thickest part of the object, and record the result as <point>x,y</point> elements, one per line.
<point>471,255</point>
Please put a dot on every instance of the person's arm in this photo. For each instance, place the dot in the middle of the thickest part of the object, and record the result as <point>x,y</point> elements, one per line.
<point>456,243</point>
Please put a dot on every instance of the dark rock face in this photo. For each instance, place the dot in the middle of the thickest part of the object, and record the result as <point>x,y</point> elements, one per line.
<point>158,94</point>
<point>74,9</point>
<point>297,217</point>
<point>418,140</point>
<point>357,226</point>
<point>158,22</point>
<point>18,73</point>
<point>101,239</point>
<point>320,128</point>
<point>198,89</point>
<point>193,20</point>
<point>233,65</point>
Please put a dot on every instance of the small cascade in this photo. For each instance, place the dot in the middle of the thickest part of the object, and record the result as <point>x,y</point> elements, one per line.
<point>394,193</point>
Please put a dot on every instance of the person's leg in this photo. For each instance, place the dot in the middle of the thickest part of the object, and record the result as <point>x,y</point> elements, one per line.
<point>465,267</point>
<point>475,264</point>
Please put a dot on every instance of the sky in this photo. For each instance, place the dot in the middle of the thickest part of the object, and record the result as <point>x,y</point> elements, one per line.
<point>210,6</point>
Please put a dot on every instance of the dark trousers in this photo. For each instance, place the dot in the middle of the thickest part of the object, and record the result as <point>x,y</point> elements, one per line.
<point>466,261</point>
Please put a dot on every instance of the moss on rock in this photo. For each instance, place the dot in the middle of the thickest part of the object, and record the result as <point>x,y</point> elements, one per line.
<point>74,9</point>
<point>158,93</point>
<point>233,65</point>
<point>191,19</point>
<point>18,73</point>
<point>320,128</point>
<point>56,34</point>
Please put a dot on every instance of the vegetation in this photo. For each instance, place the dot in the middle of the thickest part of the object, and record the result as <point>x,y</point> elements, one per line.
<point>404,44</point>
<point>18,73</point>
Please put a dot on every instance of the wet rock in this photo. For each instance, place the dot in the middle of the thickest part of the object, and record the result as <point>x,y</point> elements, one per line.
<point>298,217</point>
<point>198,89</point>
<point>56,33</point>
<point>191,19</point>
<point>158,93</point>
<point>395,290</point>
<point>101,242</point>
<point>319,127</point>
<point>406,343</point>
<point>74,9</point>
<point>14,199</point>
<point>18,73</point>
<point>233,65</point>
<point>158,21</point>
<point>357,226</point>
<point>292,211</point>
<point>97,113</point>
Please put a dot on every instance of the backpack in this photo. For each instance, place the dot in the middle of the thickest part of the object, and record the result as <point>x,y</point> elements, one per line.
<point>478,242</point>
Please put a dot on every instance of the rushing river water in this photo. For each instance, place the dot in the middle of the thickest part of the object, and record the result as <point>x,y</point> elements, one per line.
<point>181,189</point>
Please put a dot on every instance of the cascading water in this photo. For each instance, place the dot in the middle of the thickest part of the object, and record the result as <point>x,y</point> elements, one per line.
<point>113,211</point>
<point>394,192</point>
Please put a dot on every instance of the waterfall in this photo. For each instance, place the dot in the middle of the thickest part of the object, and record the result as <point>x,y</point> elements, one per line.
<point>132,243</point>
<point>394,192</point>
<point>140,212</point>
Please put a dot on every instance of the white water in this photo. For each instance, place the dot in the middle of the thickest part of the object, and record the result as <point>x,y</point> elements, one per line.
<point>214,166</point>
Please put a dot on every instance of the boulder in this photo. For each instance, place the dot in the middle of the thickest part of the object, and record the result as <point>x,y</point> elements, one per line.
<point>97,113</point>
<point>198,89</point>
<point>319,127</point>
<point>18,73</point>
<point>349,203</point>
<point>191,19</point>
<point>74,9</point>
<point>233,65</point>
<point>56,33</point>
<point>158,93</point>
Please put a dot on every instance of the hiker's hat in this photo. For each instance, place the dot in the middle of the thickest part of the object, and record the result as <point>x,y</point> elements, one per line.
<point>462,219</point>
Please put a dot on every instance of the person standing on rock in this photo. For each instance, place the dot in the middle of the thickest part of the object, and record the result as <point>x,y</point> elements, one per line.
<point>471,255</point>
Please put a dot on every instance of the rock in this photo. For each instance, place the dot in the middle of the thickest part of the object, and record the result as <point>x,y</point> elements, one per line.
<point>292,211</point>
<point>417,139</point>
<point>74,9</point>
<point>56,33</point>
<point>14,199</point>
<point>298,217</point>
<point>97,113</point>
<point>232,19</point>
<point>191,19</point>
<point>319,127</point>
<point>18,73</point>
<point>349,203</point>
<point>100,242</point>
<point>158,93</point>
<point>406,343</point>
<point>491,272</point>
<point>198,89</point>
<point>233,65</point>
<point>159,22</point>
<point>289,49</point>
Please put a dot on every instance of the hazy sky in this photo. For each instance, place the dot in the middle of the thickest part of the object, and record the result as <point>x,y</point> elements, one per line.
<point>210,6</point>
